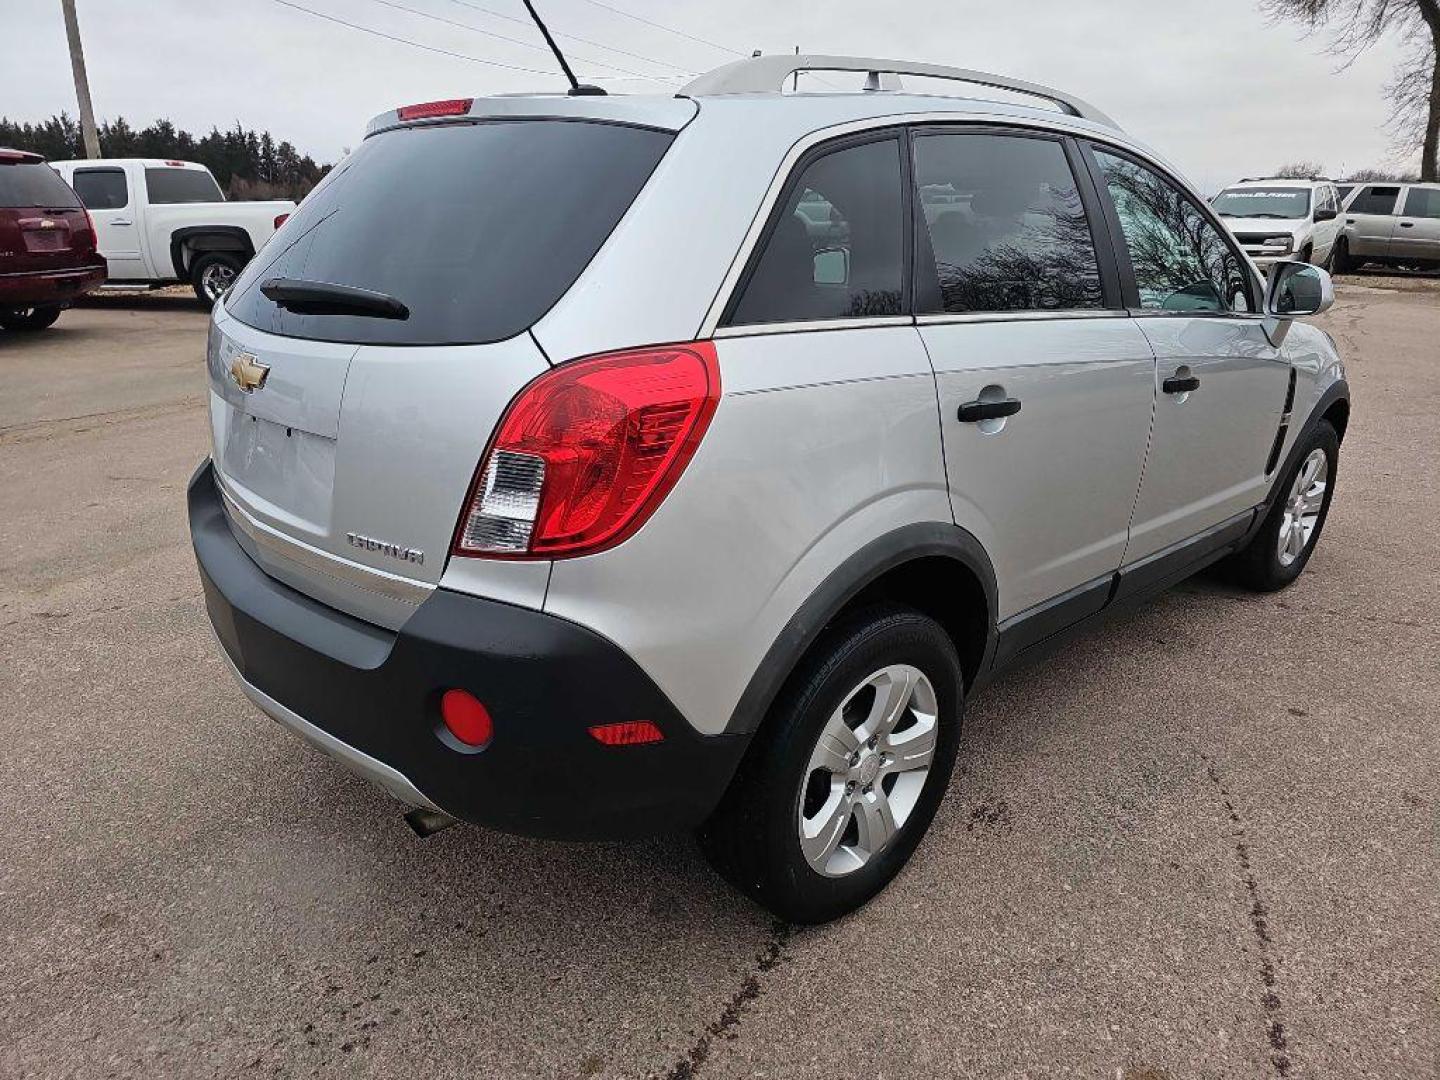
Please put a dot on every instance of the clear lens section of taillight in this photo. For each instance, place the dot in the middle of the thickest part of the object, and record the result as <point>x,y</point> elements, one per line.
<point>587,451</point>
<point>502,513</point>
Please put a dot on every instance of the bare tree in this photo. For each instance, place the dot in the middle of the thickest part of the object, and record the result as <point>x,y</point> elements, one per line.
<point>1300,170</point>
<point>1414,93</point>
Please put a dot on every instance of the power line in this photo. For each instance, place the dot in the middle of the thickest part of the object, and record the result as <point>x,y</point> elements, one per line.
<point>501,37</point>
<point>667,29</point>
<point>407,41</point>
<point>436,49</point>
<point>576,37</point>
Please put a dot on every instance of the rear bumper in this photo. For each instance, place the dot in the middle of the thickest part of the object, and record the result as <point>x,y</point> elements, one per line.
<point>49,286</point>
<point>369,697</point>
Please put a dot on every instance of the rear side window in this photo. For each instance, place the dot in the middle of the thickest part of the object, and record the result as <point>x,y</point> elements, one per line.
<point>1181,261</point>
<point>1003,226</point>
<point>1375,200</point>
<point>26,184</point>
<point>1422,202</point>
<point>477,228</point>
<point>836,247</point>
<point>181,186</point>
<point>102,189</point>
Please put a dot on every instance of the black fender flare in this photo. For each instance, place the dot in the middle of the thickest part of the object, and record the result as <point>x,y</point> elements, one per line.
<point>205,238</point>
<point>1339,390</point>
<point>905,544</point>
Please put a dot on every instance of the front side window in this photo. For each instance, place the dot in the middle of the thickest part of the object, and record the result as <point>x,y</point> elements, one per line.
<point>1256,202</point>
<point>101,189</point>
<point>836,247</point>
<point>172,185</point>
<point>1375,200</point>
<point>1423,202</point>
<point>1005,226</point>
<point>1181,261</point>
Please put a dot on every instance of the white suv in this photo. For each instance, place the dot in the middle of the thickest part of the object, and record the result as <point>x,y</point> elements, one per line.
<point>1283,219</point>
<point>598,466</point>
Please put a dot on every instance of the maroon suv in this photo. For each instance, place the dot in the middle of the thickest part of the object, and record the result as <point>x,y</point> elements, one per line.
<point>47,244</point>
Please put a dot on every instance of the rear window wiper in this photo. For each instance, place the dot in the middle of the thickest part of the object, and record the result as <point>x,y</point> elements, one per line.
<point>325,298</point>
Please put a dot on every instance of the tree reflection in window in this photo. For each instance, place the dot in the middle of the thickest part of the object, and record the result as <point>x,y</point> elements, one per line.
<point>1006,226</point>
<point>1181,261</point>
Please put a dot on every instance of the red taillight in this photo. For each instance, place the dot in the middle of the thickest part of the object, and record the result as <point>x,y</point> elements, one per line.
<point>627,733</point>
<point>466,717</point>
<point>87,238</point>
<point>587,451</point>
<point>448,107</point>
<point>280,219</point>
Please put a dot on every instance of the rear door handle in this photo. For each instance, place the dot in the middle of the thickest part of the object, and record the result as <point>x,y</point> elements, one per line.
<point>122,221</point>
<point>1176,385</point>
<point>972,412</point>
<point>1407,224</point>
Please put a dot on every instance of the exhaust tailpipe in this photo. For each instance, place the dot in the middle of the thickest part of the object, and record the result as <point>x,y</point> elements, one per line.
<point>428,822</point>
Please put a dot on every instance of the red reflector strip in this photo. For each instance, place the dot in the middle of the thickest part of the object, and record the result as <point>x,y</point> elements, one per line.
<point>449,107</point>
<point>627,733</point>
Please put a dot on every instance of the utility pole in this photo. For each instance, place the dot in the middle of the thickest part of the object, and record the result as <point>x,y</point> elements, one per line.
<point>82,84</point>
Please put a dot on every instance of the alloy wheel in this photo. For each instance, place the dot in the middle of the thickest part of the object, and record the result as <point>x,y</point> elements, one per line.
<point>1303,506</point>
<point>867,770</point>
<point>215,279</point>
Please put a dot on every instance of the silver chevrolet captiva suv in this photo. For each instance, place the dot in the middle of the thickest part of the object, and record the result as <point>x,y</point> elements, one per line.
<point>592,466</point>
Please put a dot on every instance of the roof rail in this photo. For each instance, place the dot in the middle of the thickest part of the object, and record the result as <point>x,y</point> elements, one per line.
<point>767,75</point>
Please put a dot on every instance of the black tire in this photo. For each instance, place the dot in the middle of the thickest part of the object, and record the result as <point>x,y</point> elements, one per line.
<point>212,274</point>
<point>1259,565</point>
<point>1307,254</point>
<point>26,320</point>
<point>1340,257</point>
<point>753,839</point>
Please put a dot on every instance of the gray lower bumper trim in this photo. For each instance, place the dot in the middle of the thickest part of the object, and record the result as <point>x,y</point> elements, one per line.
<point>363,764</point>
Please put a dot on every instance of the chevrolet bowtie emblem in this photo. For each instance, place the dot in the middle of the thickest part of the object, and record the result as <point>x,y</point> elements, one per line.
<point>249,374</point>
<point>47,223</point>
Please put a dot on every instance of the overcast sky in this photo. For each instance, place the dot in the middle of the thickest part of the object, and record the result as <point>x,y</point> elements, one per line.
<point>1212,85</point>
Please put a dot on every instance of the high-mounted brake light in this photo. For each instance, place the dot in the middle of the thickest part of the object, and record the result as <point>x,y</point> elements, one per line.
<point>448,107</point>
<point>587,451</point>
<point>176,164</point>
<point>280,219</point>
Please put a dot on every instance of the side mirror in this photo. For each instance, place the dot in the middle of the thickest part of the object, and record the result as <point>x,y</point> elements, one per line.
<point>1326,214</point>
<point>1295,288</point>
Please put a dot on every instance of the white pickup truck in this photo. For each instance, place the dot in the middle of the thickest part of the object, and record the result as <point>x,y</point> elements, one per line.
<point>159,222</point>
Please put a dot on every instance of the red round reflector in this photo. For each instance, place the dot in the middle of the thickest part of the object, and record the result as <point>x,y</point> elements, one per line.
<point>627,733</point>
<point>466,717</point>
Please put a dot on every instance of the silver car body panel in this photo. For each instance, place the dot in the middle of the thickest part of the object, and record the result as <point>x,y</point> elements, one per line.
<point>1416,236</point>
<point>822,442</point>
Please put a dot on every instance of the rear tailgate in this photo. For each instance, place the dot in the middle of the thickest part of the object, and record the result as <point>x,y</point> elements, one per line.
<point>345,442</point>
<point>42,225</point>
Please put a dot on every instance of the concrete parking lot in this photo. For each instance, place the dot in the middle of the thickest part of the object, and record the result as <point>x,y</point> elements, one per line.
<point>1201,842</point>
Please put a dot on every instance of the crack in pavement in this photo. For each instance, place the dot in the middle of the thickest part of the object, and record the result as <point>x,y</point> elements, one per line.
<point>1260,924</point>
<point>690,1063</point>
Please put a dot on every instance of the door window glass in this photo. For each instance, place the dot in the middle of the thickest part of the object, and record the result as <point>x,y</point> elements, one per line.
<point>170,185</point>
<point>1422,202</point>
<point>1002,225</point>
<point>836,248</point>
<point>1181,261</point>
<point>101,189</point>
<point>1375,200</point>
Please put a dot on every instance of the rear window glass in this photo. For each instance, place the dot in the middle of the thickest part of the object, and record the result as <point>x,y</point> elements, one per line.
<point>101,189</point>
<point>1423,202</point>
<point>477,228</point>
<point>181,186</point>
<point>34,184</point>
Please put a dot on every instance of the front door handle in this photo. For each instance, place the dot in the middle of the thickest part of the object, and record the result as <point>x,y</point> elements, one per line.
<point>972,412</point>
<point>1407,224</point>
<point>1177,385</point>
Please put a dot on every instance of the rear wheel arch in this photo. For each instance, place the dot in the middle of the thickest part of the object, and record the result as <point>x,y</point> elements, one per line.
<point>188,244</point>
<point>935,568</point>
